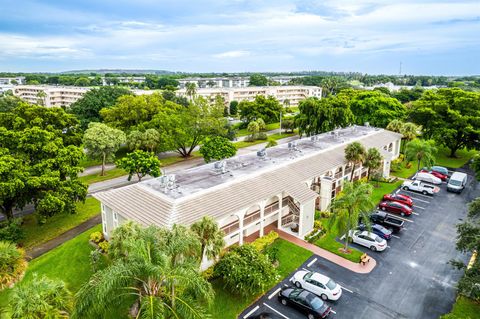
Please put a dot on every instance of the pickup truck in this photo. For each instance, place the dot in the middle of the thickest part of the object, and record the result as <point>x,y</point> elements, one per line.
<point>420,187</point>
<point>387,221</point>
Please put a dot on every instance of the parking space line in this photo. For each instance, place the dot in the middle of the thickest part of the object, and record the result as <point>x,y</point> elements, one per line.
<point>291,279</point>
<point>281,314</point>
<point>416,194</point>
<point>418,207</point>
<point>396,235</point>
<point>305,269</point>
<point>331,310</point>
<point>404,228</point>
<point>344,288</point>
<point>407,220</point>
<point>420,200</point>
<point>274,293</point>
<point>415,213</point>
<point>312,262</point>
<point>251,312</point>
<point>388,246</point>
<point>285,285</point>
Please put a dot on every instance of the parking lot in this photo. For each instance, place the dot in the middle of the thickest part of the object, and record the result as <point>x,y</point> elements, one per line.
<point>412,278</point>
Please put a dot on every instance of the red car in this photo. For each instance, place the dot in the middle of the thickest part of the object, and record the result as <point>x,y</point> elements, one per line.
<point>443,177</point>
<point>396,208</point>
<point>399,198</point>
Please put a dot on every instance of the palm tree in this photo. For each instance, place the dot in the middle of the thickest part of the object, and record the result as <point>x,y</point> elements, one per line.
<point>410,131</point>
<point>42,98</point>
<point>352,204</point>
<point>158,277</point>
<point>12,264</point>
<point>422,151</point>
<point>354,154</point>
<point>210,236</point>
<point>191,90</point>
<point>40,297</point>
<point>395,126</point>
<point>373,160</point>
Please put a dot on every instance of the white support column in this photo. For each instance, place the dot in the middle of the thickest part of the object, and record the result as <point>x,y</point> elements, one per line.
<point>262,217</point>
<point>386,168</point>
<point>326,189</point>
<point>240,227</point>
<point>280,209</point>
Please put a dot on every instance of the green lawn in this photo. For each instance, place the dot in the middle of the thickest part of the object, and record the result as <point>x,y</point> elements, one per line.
<point>464,308</point>
<point>328,242</point>
<point>443,159</point>
<point>109,174</point>
<point>275,137</point>
<point>405,172</point>
<point>177,158</point>
<point>268,127</point>
<point>69,262</point>
<point>228,305</point>
<point>58,224</point>
<point>382,189</point>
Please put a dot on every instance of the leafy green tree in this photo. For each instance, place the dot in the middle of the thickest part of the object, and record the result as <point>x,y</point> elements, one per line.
<point>355,155</point>
<point>210,237</point>
<point>318,116</point>
<point>395,126</point>
<point>449,116</point>
<point>9,102</point>
<point>82,81</point>
<point>87,109</point>
<point>373,160</point>
<point>141,164</point>
<point>41,297</point>
<point>405,95</point>
<point>288,125</point>
<point>410,131</point>
<point>421,151</point>
<point>253,127</point>
<point>102,141</point>
<point>12,264</point>
<point>157,276</point>
<point>217,148</point>
<point>374,107</point>
<point>148,140</point>
<point>265,108</point>
<point>246,270</point>
<point>233,107</point>
<point>258,79</point>
<point>39,161</point>
<point>347,208</point>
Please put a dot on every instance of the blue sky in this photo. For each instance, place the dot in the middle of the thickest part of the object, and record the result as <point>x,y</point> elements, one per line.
<point>371,36</point>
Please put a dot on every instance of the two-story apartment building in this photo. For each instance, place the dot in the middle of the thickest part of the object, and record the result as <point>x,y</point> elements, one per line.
<point>277,188</point>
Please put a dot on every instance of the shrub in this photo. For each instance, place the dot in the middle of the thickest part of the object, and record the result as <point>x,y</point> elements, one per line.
<point>12,264</point>
<point>245,270</point>
<point>208,274</point>
<point>96,237</point>
<point>261,243</point>
<point>261,136</point>
<point>12,230</point>
<point>104,246</point>
<point>271,143</point>
<point>272,253</point>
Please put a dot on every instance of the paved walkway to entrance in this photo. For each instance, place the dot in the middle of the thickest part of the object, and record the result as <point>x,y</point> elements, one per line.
<point>41,249</point>
<point>350,265</point>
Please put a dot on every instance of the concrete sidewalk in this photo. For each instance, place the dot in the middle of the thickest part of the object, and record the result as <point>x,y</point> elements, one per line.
<point>345,263</point>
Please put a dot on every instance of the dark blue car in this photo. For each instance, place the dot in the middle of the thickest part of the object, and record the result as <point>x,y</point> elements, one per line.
<point>378,230</point>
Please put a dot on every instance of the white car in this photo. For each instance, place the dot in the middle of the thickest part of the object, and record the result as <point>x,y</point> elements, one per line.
<point>428,178</point>
<point>367,239</point>
<point>318,284</point>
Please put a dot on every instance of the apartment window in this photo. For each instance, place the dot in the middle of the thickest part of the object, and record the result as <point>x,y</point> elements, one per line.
<point>115,219</point>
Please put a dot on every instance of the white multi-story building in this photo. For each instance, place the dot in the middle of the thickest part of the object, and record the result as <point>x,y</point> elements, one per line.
<point>12,81</point>
<point>294,94</point>
<point>125,79</point>
<point>231,82</point>
<point>49,96</point>
<point>248,195</point>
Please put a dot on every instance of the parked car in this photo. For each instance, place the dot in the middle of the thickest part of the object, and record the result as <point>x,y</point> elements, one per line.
<point>321,285</point>
<point>420,187</point>
<point>443,177</point>
<point>367,239</point>
<point>428,178</point>
<point>396,208</point>
<point>378,230</point>
<point>440,169</point>
<point>399,198</point>
<point>387,220</point>
<point>304,301</point>
<point>457,182</point>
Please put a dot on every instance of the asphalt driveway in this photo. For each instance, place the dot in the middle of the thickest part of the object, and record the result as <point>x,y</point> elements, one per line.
<point>412,278</point>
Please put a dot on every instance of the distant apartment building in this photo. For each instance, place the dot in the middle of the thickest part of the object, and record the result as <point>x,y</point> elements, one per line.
<point>230,82</point>
<point>50,96</point>
<point>294,94</point>
<point>124,79</point>
<point>7,81</point>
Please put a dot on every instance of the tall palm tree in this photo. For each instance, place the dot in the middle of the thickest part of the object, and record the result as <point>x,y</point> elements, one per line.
<point>210,236</point>
<point>42,98</point>
<point>373,160</point>
<point>40,297</point>
<point>354,154</point>
<point>354,202</point>
<point>410,131</point>
<point>421,151</point>
<point>158,277</point>
<point>191,90</point>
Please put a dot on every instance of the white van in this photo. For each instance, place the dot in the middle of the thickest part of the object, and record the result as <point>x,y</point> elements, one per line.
<point>457,182</point>
<point>427,178</point>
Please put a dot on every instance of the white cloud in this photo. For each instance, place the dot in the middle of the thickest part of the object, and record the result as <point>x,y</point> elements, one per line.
<point>232,54</point>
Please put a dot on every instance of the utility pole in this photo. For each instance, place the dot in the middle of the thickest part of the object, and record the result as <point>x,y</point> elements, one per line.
<point>281,122</point>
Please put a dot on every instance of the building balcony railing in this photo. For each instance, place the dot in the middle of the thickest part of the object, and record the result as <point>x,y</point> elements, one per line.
<point>338,175</point>
<point>251,218</point>
<point>230,228</point>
